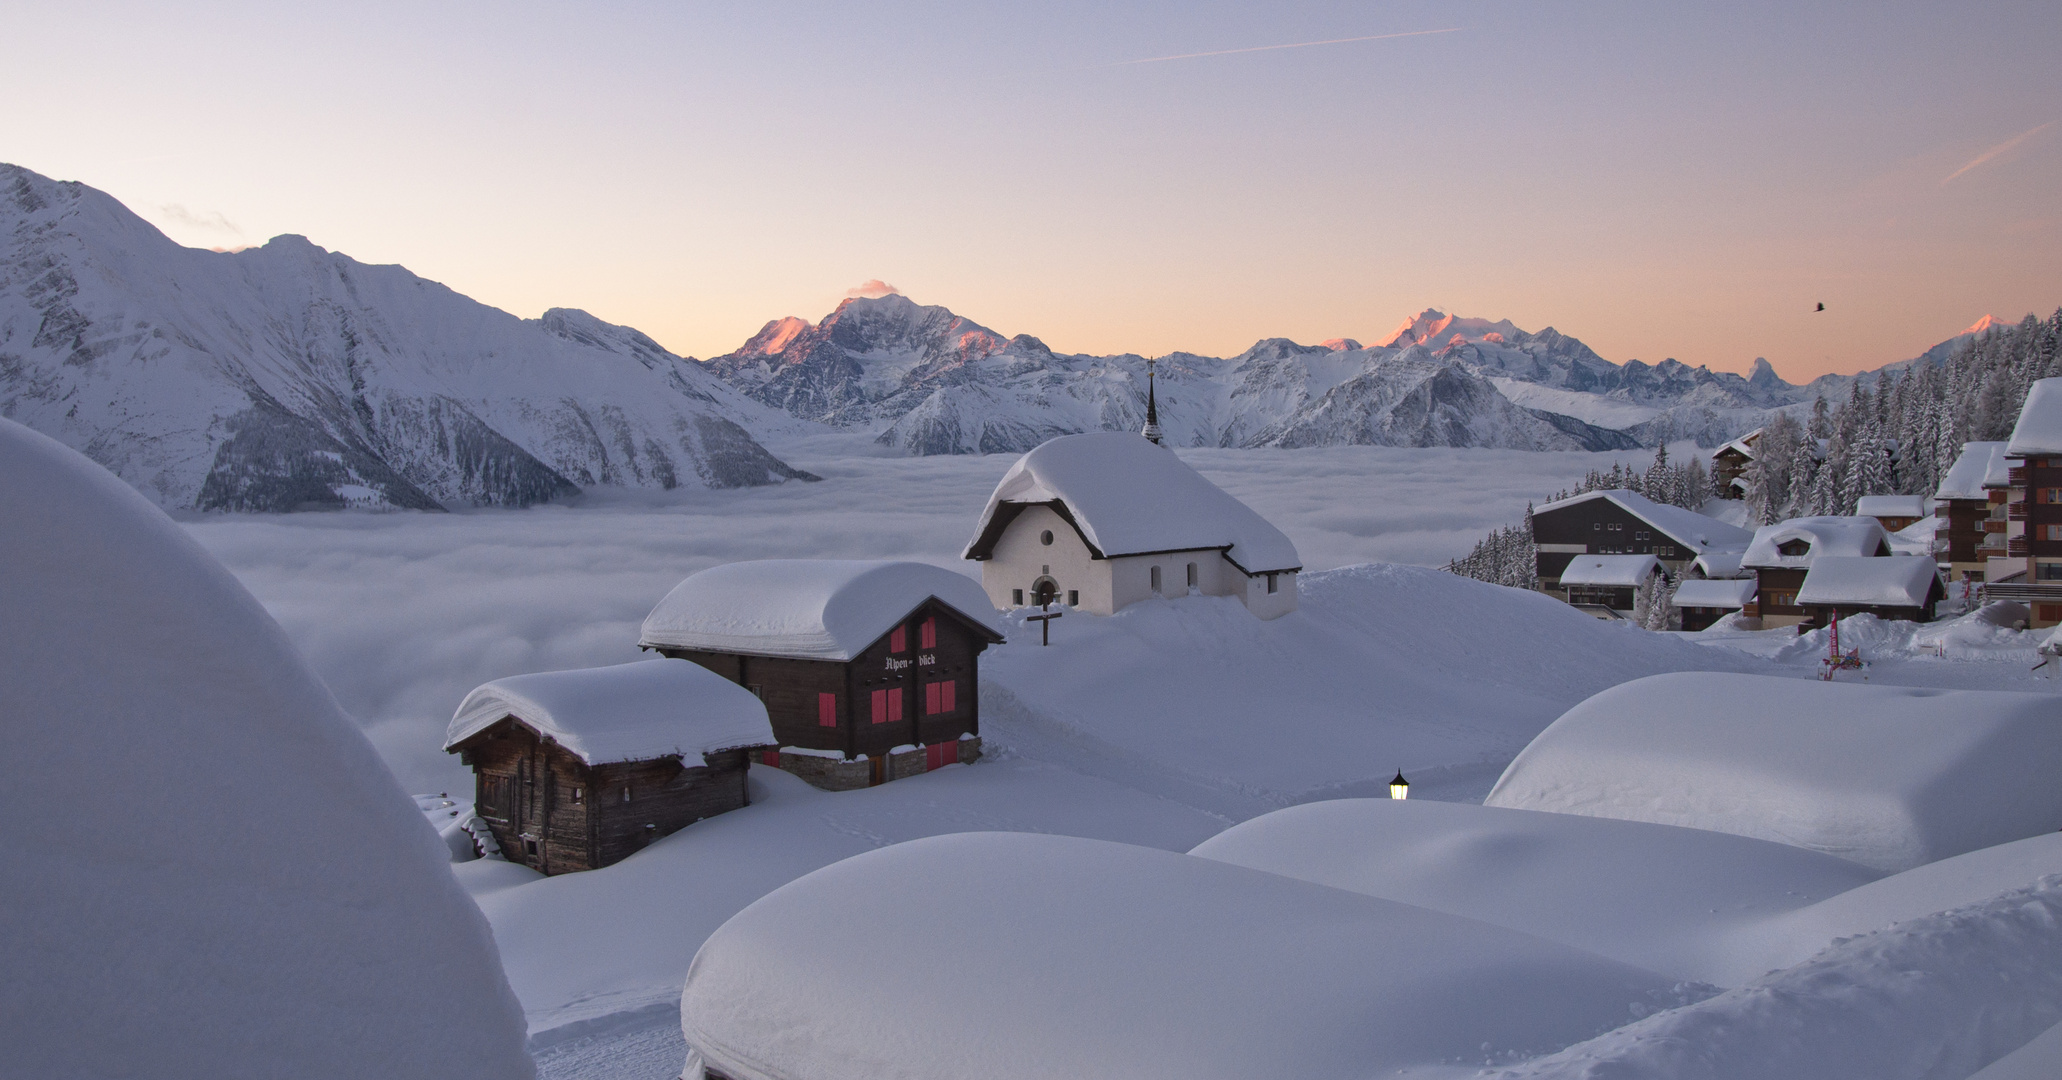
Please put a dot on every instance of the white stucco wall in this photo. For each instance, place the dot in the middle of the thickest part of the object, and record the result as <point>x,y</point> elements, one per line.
<point>1020,558</point>
<point>1271,605</point>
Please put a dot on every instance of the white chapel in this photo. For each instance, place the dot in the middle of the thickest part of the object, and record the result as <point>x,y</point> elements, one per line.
<point>1107,519</point>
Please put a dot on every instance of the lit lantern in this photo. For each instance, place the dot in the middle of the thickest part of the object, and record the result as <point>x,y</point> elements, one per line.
<point>1399,788</point>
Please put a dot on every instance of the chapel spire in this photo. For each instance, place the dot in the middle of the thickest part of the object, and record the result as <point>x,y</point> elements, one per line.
<point>1152,429</point>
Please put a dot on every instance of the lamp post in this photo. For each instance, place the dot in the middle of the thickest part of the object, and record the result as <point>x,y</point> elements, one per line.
<point>1399,788</point>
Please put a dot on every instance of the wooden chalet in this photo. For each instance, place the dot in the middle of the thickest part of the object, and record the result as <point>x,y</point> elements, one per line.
<point>1620,522</point>
<point>2033,508</point>
<point>1703,601</point>
<point>1898,587</point>
<point>1893,512</point>
<point>1971,503</point>
<point>1782,554</point>
<point>1729,465</point>
<point>869,671</point>
<point>575,770</point>
<point>1607,585</point>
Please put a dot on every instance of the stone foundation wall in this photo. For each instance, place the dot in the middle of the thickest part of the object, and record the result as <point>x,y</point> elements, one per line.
<point>833,774</point>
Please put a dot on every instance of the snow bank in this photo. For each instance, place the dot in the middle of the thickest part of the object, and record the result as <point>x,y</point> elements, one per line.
<point>1686,527</point>
<point>629,712</point>
<point>1824,535</point>
<point>1897,581</point>
<point>814,609</point>
<point>1981,465</point>
<point>1659,897</point>
<point>150,923</point>
<point>2039,430</point>
<point>1714,593</point>
<point>1038,956</point>
<point>1888,777</point>
<point>1130,497</point>
<point>1620,570</point>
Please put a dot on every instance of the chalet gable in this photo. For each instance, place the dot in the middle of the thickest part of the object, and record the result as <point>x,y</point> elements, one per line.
<point>810,609</point>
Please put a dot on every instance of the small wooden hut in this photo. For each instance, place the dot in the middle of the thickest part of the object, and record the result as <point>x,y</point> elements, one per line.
<point>575,770</point>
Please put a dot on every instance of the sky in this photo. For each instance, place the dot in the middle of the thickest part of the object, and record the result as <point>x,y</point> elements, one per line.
<point>1683,181</point>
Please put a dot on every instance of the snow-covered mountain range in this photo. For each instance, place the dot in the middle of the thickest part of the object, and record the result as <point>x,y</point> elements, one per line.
<point>933,382</point>
<point>287,376</point>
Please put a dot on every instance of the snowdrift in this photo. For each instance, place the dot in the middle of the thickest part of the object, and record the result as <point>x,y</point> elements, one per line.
<point>151,924</point>
<point>1888,777</point>
<point>1656,896</point>
<point>1039,956</point>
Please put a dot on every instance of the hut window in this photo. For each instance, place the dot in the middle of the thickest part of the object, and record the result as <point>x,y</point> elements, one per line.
<point>898,639</point>
<point>576,796</point>
<point>887,705</point>
<point>626,792</point>
<point>1017,597</point>
<point>529,847</point>
<point>827,710</point>
<point>1272,583</point>
<point>1192,575</point>
<point>1156,581</point>
<point>1045,538</point>
<point>927,633</point>
<point>1073,598</point>
<point>941,698</point>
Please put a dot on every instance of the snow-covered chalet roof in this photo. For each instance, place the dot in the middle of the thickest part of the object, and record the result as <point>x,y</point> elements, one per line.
<point>1826,535</point>
<point>810,609</point>
<point>1686,527</point>
<point>1622,570</point>
<point>1981,465</point>
<point>1714,593</point>
<point>1720,564</point>
<point>1882,506</point>
<point>629,712</point>
<point>1744,445</point>
<point>1130,497</point>
<point>1898,581</point>
<point>2039,430</point>
<point>1121,961</point>
<point>1889,777</point>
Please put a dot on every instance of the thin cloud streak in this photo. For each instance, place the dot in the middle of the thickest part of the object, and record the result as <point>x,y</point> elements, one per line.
<point>1294,45</point>
<point>1994,151</point>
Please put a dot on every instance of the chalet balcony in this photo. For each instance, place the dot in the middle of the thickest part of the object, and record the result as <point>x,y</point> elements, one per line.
<point>2016,511</point>
<point>2016,547</point>
<point>2050,591</point>
<point>1993,525</point>
<point>2016,476</point>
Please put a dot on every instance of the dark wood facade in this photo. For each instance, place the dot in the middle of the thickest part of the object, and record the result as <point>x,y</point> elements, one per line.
<point>1775,593</point>
<point>1599,527</point>
<point>557,814</point>
<point>1699,618</point>
<point>919,683</point>
<point>2035,508</point>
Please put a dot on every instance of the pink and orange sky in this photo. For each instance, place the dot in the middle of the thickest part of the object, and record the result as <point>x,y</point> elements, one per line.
<point>1658,180</point>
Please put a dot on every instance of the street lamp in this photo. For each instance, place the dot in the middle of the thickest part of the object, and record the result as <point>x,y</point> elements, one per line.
<point>1399,788</point>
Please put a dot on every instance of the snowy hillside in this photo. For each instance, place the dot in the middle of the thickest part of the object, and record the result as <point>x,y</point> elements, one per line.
<point>932,382</point>
<point>288,376</point>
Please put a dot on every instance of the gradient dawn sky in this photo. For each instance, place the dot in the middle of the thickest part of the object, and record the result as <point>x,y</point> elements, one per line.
<point>1684,180</point>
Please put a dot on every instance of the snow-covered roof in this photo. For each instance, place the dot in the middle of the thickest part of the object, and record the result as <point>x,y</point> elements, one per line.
<point>1130,497</point>
<point>1720,564</point>
<point>1686,527</point>
<point>629,712</point>
<point>1625,570</point>
<point>1897,581</point>
<point>1065,956</point>
<point>2039,430</point>
<point>210,872</point>
<point>1889,777</point>
<point>812,609</point>
<point>1883,506</point>
<point>1826,536</point>
<point>1714,593</point>
<point>1743,445</point>
<point>1981,465</point>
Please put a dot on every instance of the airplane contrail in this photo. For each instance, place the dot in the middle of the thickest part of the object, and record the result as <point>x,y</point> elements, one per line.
<point>1293,45</point>
<point>2000,148</point>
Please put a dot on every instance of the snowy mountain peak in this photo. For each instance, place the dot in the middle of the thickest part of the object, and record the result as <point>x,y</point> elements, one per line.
<point>1762,374</point>
<point>1340,344</point>
<point>1436,329</point>
<point>1985,323</point>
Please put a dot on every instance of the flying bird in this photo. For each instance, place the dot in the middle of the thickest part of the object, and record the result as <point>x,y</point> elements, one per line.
<point>1822,307</point>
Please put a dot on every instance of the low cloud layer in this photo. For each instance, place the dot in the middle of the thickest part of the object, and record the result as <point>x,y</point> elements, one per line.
<point>873,289</point>
<point>209,221</point>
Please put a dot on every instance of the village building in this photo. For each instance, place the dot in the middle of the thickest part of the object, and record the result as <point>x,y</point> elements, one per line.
<point>1970,504</point>
<point>1703,601</point>
<point>1783,553</point>
<point>1899,587</point>
<point>1719,564</point>
<point>2033,508</point>
<point>1729,465</point>
<point>1894,512</point>
<point>869,671</point>
<point>1607,586</point>
<point>575,770</point>
<point>1621,522</point>
<point>1101,521</point>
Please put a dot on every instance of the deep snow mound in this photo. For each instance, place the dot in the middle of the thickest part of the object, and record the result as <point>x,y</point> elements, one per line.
<point>150,923</point>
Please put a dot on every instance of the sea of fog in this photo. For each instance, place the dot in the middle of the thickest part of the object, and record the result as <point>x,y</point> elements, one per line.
<point>403,613</point>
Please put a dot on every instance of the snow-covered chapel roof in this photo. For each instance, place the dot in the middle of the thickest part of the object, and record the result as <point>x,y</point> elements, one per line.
<point>810,609</point>
<point>1610,570</point>
<point>1686,527</point>
<point>1825,535</point>
<point>1980,465</point>
<point>1898,581</point>
<point>2039,430</point>
<point>1130,497</point>
<point>629,712</point>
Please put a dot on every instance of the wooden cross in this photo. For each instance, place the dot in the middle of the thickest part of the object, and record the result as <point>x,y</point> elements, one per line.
<point>1044,622</point>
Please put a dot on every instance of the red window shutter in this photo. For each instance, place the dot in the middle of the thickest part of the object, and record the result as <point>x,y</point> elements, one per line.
<point>949,752</point>
<point>895,704</point>
<point>898,639</point>
<point>880,706</point>
<point>930,699</point>
<point>948,692</point>
<point>827,710</point>
<point>934,755</point>
<point>930,632</point>
<point>770,758</point>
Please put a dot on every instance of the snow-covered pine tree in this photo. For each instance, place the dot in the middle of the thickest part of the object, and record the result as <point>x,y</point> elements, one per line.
<point>1803,470</point>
